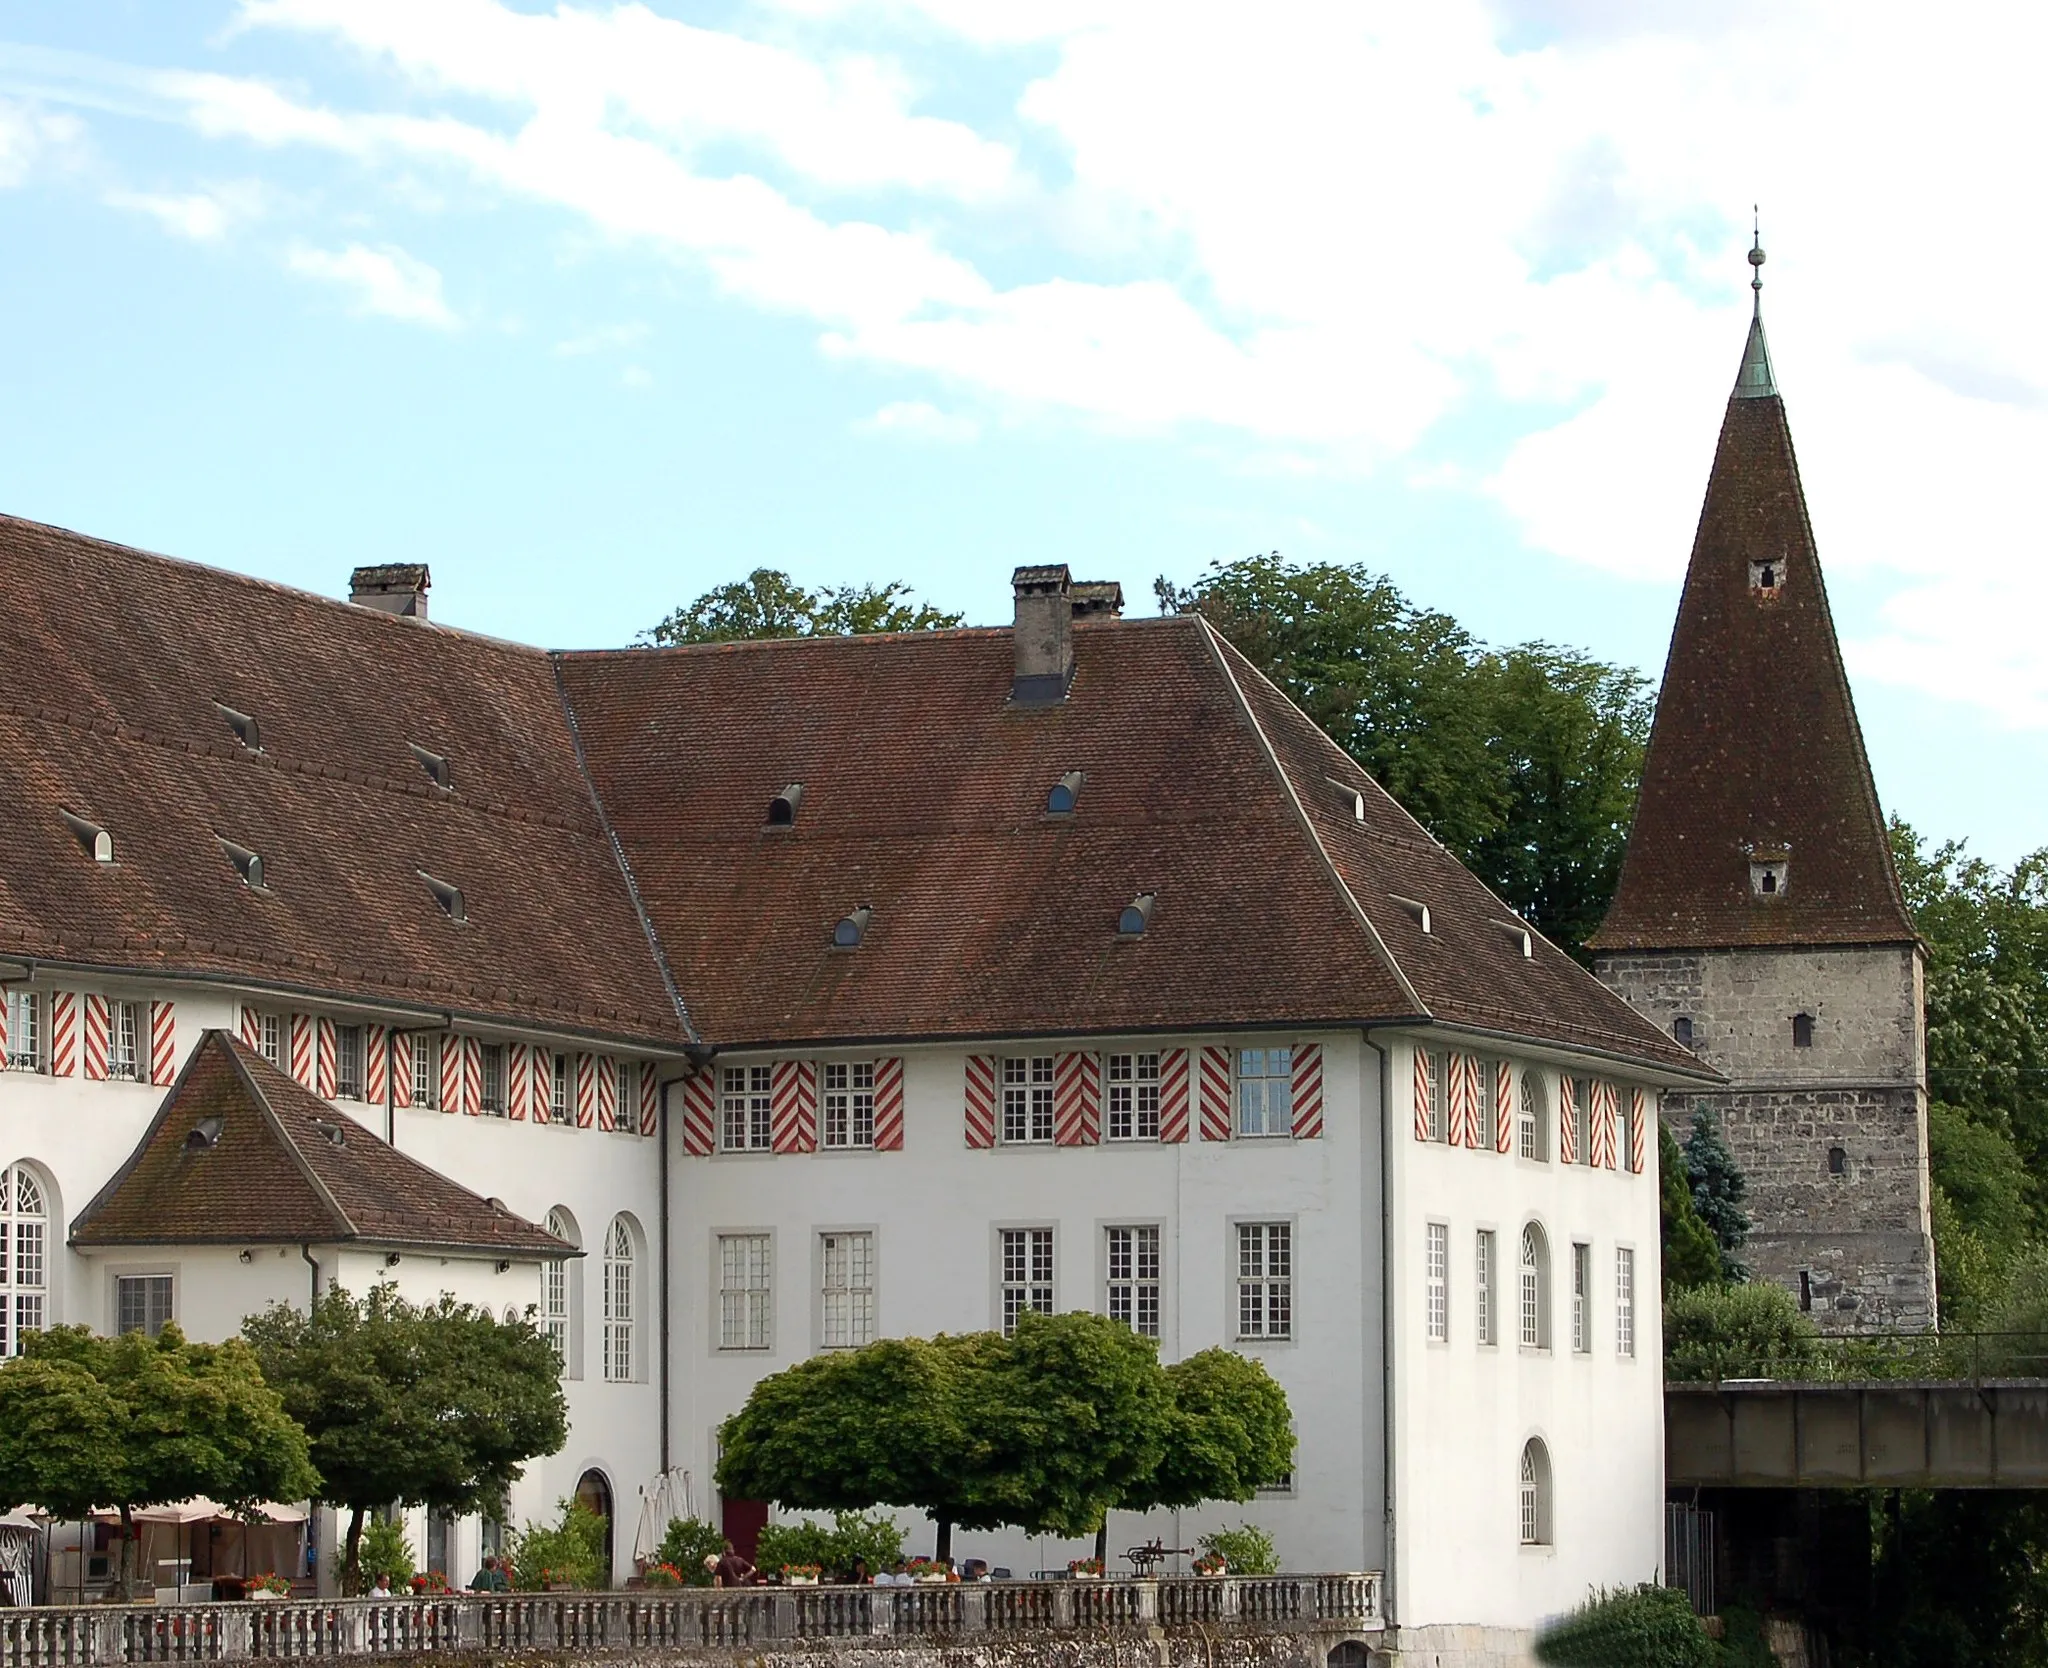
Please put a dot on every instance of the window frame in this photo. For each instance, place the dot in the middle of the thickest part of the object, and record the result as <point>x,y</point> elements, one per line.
<point>753,1100</point>
<point>1135,1282</point>
<point>1030,1283</point>
<point>1625,1302</point>
<point>1142,1112</point>
<point>561,1089</point>
<point>850,1114</point>
<point>1440,1097</point>
<point>1532,1289</point>
<point>1532,1118</point>
<point>1238,1281</point>
<point>493,1055</point>
<point>620,1333</point>
<point>138,1274</point>
<point>26,1012</point>
<point>1486,1287</point>
<point>427,1048</point>
<point>1279,1089</point>
<point>720,1291</point>
<point>1536,1496</point>
<point>1436,1281</point>
<point>1582,1297</point>
<point>822,1288</point>
<point>556,1275</point>
<point>127,1041</point>
<point>351,1040</point>
<point>23,1228</point>
<point>1031,1094</point>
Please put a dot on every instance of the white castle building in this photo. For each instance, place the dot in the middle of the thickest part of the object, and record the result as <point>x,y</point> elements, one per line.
<point>722,1005</point>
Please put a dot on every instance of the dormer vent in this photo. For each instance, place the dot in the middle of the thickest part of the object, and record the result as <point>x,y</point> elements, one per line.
<point>782,808</point>
<point>244,727</point>
<point>1065,792</point>
<point>203,1135</point>
<point>847,935</point>
<point>1352,800</point>
<point>98,843</point>
<point>248,864</point>
<point>1769,875</point>
<point>1415,907</point>
<point>447,896</point>
<point>1524,939</point>
<point>436,765</point>
<point>332,1134</point>
<point>1136,916</point>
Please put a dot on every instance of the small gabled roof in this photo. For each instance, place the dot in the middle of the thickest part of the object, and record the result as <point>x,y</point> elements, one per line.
<point>241,1154</point>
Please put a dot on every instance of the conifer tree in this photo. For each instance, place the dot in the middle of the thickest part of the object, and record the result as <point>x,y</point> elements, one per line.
<point>1718,1189</point>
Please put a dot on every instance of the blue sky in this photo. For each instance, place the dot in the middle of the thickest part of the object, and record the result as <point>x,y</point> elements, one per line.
<point>593,307</point>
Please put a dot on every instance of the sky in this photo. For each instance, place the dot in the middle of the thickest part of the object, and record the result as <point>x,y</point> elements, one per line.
<point>595,306</point>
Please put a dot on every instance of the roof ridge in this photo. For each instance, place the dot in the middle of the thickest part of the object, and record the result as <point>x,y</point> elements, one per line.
<point>326,1194</point>
<point>841,639</point>
<point>1214,639</point>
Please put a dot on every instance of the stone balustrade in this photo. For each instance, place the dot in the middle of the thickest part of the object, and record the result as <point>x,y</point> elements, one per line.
<point>680,1620</point>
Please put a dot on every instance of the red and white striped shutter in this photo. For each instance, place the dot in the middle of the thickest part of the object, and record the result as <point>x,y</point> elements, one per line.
<point>793,1106</point>
<point>3,1022</point>
<point>889,1104</point>
<point>451,1072</point>
<point>1173,1094</point>
<point>1567,1120</point>
<point>1462,1093</point>
<point>1504,1107</point>
<point>163,1042</point>
<point>299,1049</point>
<point>1076,1100</point>
<point>607,1093</point>
<point>376,1064</point>
<point>401,1069</point>
<point>700,1114</point>
<point>1308,1091</point>
<point>541,1089</point>
<point>981,1100</point>
<point>1422,1123</point>
<point>324,1080</point>
<point>1638,1115</point>
<point>650,1099</point>
<point>1475,1103</point>
<point>97,1017</point>
<point>518,1081</point>
<point>252,1028</point>
<point>1610,1098</point>
<point>1214,1089</point>
<point>586,1090</point>
<point>63,1033</point>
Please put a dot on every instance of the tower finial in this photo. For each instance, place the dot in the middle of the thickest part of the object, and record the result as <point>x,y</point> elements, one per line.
<point>1755,380</point>
<point>1756,263</point>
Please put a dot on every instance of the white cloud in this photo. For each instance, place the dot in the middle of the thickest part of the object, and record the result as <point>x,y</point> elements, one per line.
<point>202,216</point>
<point>385,281</point>
<point>636,376</point>
<point>915,420</point>
<point>29,136</point>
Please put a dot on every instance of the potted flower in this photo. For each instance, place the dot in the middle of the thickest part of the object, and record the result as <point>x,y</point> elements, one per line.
<point>662,1575</point>
<point>269,1585</point>
<point>799,1575</point>
<point>927,1571</point>
<point>1084,1569</point>
<point>1212,1563</point>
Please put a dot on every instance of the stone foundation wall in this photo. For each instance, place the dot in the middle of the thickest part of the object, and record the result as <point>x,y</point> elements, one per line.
<point>1457,1646</point>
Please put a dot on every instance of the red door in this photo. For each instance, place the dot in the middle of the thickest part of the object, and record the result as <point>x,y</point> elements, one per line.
<point>743,1521</point>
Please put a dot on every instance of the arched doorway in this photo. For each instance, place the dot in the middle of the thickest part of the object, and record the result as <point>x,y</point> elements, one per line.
<point>594,1493</point>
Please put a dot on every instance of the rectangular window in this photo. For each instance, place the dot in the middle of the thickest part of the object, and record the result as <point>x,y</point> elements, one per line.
<point>426,1070</point>
<point>628,1120</point>
<point>1439,1096</point>
<point>1265,1280</point>
<point>743,1291</point>
<point>492,1092</point>
<point>1624,1302</point>
<point>1132,1294</point>
<point>1436,1282</point>
<point>1582,1295</point>
<point>124,1038</point>
<point>24,1031</point>
<point>1582,1124</point>
<point>1027,1098</point>
<point>348,1062</point>
<point>558,1089</point>
<point>749,1121</point>
<point>1482,1286</point>
<point>1265,1091</point>
<point>849,1104</point>
<point>554,1304</point>
<point>849,1289</point>
<point>1489,1106</point>
<point>270,1038</point>
<point>1027,1273</point>
<point>1528,1124</point>
<point>142,1303</point>
<point>1132,1106</point>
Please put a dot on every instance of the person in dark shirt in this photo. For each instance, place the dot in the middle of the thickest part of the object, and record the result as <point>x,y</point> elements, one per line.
<point>489,1579</point>
<point>732,1570</point>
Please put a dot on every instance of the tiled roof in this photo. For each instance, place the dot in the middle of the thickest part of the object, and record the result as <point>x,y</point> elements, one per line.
<point>115,661</point>
<point>282,1167</point>
<point>1755,752</point>
<point>924,797</point>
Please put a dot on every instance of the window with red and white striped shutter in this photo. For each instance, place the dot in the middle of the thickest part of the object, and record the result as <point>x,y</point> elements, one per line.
<point>324,1069</point>
<point>163,1043</point>
<point>1076,1100</point>
<point>607,1094</point>
<point>94,1036</point>
<point>451,1072</point>
<point>1212,1090</point>
<point>700,1114</point>
<point>1567,1120</point>
<point>540,1065</point>
<point>401,1069</point>
<point>793,1106</point>
<point>981,1100</point>
<point>1424,1122</point>
<point>376,1064</point>
<point>252,1028</point>
<point>299,1050</point>
<point>1308,1091</point>
<point>518,1081</point>
<point>586,1091</point>
<point>63,1033</point>
<point>1503,1106</point>
<point>1173,1094</point>
<point>889,1104</point>
<point>1638,1117</point>
<point>650,1098</point>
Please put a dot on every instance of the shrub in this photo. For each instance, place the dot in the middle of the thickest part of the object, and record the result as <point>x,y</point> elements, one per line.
<point>1647,1627</point>
<point>689,1541</point>
<point>852,1537</point>
<point>801,1543</point>
<point>383,1550</point>
<point>1247,1549</point>
<point>1716,1332</point>
<point>571,1552</point>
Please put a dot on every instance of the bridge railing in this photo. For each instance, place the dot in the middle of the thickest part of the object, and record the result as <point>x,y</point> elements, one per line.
<point>643,1622</point>
<point>1862,1357</point>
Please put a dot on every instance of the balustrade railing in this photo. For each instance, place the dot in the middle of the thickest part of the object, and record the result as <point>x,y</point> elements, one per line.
<point>100,1636</point>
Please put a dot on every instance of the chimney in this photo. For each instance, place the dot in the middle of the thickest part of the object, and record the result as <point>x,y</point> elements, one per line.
<point>395,588</point>
<point>1092,597</point>
<point>1043,638</point>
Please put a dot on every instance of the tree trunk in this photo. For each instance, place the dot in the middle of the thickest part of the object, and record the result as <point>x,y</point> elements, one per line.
<point>943,1549</point>
<point>124,1581</point>
<point>1102,1543</point>
<point>351,1557</point>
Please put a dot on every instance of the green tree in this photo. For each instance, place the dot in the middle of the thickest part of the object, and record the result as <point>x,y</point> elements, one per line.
<point>566,1553</point>
<point>1643,1627</point>
<point>768,603</point>
<point>135,1421</point>
<point>438,1405</point>
<point>1523,761</point>
<point>687,1542</point>
<point>1745,1331</point>
<point>1692,1256</point>
<point>1718,1189</point>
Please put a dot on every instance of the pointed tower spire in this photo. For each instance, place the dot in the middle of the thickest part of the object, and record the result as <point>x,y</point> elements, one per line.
<point>1755,380</point>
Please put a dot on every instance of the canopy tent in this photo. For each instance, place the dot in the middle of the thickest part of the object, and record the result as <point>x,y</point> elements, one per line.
<point>210,1543</point>
<point>668,1496</point>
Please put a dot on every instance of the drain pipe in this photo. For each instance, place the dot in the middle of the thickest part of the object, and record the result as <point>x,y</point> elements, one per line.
<point>663,1375</point>
<point>1388,1609</point>
<point>312,1262</point>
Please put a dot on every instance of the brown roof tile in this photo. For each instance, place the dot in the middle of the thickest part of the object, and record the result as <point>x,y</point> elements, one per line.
<point>275,1173</point>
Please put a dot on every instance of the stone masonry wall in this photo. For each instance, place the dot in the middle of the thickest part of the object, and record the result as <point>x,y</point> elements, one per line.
<point>1832,1137</point>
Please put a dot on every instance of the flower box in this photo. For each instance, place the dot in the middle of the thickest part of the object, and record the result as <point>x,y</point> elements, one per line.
<point>800,1581</point>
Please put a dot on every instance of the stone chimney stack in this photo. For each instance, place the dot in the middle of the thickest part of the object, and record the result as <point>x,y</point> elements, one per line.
<point>1043,639</point>
<point>395,588</point>
<point>1093,597</point>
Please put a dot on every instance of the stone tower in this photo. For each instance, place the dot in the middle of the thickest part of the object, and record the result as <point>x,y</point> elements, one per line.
<point>1758,917</point>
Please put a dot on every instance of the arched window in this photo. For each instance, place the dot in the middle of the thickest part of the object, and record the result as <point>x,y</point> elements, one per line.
<point>1533,1129</point>
<point>557,1292</point>
<point>618,1301</point>
<point>24,1256</point>
<point>1535,1289</point>
<point>594,1494</point>
<point>1535,1493</point>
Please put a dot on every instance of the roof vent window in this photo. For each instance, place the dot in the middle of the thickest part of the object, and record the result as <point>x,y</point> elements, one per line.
<point>330,1133</point>
<point>1060,802</point>
<point>1354,801</point>
<point>1524,939</point>
<point>1136,916</point>
<point>782,808</point>
<point>436,766</point>
<point>852,929</point>
<point>1769,877</point>
<point>245,727</point>
<point>98,843</point>
<point>248,864</point>
<point>447,896</point>
<point>203,1135</point>
<point>1415,907</point>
